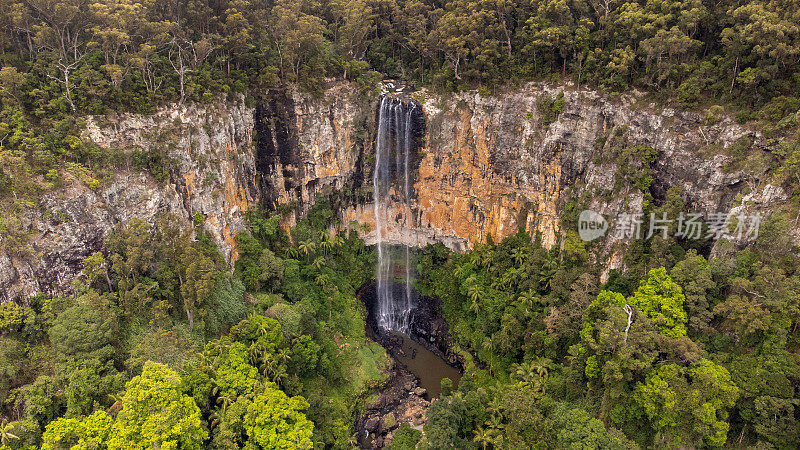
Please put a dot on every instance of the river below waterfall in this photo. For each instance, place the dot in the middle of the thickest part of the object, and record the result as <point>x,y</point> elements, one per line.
<point>425,365</point>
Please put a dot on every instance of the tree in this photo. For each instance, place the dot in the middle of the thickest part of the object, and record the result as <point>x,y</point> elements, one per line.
<point>118,27</point>
<point>271,269</point>
<point>85,330</point>
<point>156,413</point>
<point>95,266</point>
<point>770,30</point>
<point>577,429</point>
<point>298,37</point>
<point>130,255</point>
<point>63,34</point>
<point>689,404</point>
<point>662,300</point>
<point>89,432</point>
<point>198,283</point>
<point>693,274</point>
<point>355,21</point>
<point>5,433</point>
<point>276,421</point>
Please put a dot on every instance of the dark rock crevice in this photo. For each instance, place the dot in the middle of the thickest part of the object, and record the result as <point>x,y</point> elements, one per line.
<point>278,159</point>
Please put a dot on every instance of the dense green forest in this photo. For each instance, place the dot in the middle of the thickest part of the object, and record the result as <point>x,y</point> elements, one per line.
<point>64,58</point>
<point>160,346</point>
<point>678,352</point>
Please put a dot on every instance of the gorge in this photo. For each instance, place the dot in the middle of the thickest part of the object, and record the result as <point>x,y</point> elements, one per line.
<point>407,224</point>
<point>486,166</point>
<point>445,222</point>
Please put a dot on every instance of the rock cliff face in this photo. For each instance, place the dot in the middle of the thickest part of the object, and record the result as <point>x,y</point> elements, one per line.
<point>209,153</point>
<point>490,166</point>
<point>485,166</point>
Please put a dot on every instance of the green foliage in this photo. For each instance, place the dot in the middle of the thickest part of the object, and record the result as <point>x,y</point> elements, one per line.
<point>274,420</point>
<point>405,438</point>
<point>90,432</point>
<point>634,166</point>
<point>689,404</point>
<point>550,108</point>
<point>155,412</point>
<point>662,299</point>
<point>579,430</point>
<point>13,317</point>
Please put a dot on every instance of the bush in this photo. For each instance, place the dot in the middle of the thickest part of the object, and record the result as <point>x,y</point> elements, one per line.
<point>689,93</point>
<point>405,438</point>
<point>549,108</point>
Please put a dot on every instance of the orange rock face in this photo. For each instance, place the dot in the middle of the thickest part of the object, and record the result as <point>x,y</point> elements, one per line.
<point>483,170</point>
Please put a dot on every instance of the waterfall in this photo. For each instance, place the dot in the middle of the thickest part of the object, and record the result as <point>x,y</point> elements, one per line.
<point>390,183</point>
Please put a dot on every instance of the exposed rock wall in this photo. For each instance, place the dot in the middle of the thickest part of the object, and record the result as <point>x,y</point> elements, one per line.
<point>209,152</point>
<point>486,166</point>
<point>493,165</point>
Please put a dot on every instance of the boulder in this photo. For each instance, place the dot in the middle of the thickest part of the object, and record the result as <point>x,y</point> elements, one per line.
<point>371,424</point>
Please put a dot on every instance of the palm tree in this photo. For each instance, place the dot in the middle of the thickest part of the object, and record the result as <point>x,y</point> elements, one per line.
<point>495,408</point>
<point>526,299</point>
<point>322,280</point>
<point>495,426</point>
<point>307,247</point>
<point>326,245</point>
<point>255,352</point>
<point>319,261</point>
<point>547,271</point>
<point>284,355</point>
<point>225,400</point>
<point>5,432</point>
<point>519,255</point>
<point>541,366</point>
<point>475,294</point>
<point>482,436</point>
<point>475,306</point>
<point>474,291</point>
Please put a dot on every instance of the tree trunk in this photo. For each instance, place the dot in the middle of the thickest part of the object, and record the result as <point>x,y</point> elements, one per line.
<point>67,91</point>
<point>108,280</point>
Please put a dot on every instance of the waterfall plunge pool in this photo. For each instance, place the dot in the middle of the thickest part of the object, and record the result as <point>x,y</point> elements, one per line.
<point>424,349</point>
<point>430,368</point>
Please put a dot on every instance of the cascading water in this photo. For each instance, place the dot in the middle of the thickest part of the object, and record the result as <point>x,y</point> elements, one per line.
<point>390,182</point>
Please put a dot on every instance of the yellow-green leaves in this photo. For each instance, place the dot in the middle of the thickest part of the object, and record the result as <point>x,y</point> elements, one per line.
<point>661,299</point>
<point>275,421</point>
<point>689,404</point>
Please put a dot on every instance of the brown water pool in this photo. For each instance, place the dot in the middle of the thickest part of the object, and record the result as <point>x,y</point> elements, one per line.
<point>427,366</point>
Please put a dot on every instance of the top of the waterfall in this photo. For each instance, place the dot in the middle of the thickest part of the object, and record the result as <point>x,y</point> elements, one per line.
<point>394,87</point>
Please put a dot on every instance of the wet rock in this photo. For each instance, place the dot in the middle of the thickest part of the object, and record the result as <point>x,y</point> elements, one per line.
<point>379,403</point>
<point>489,166</point>
<point>372,423</point>
<point>420,391</point>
